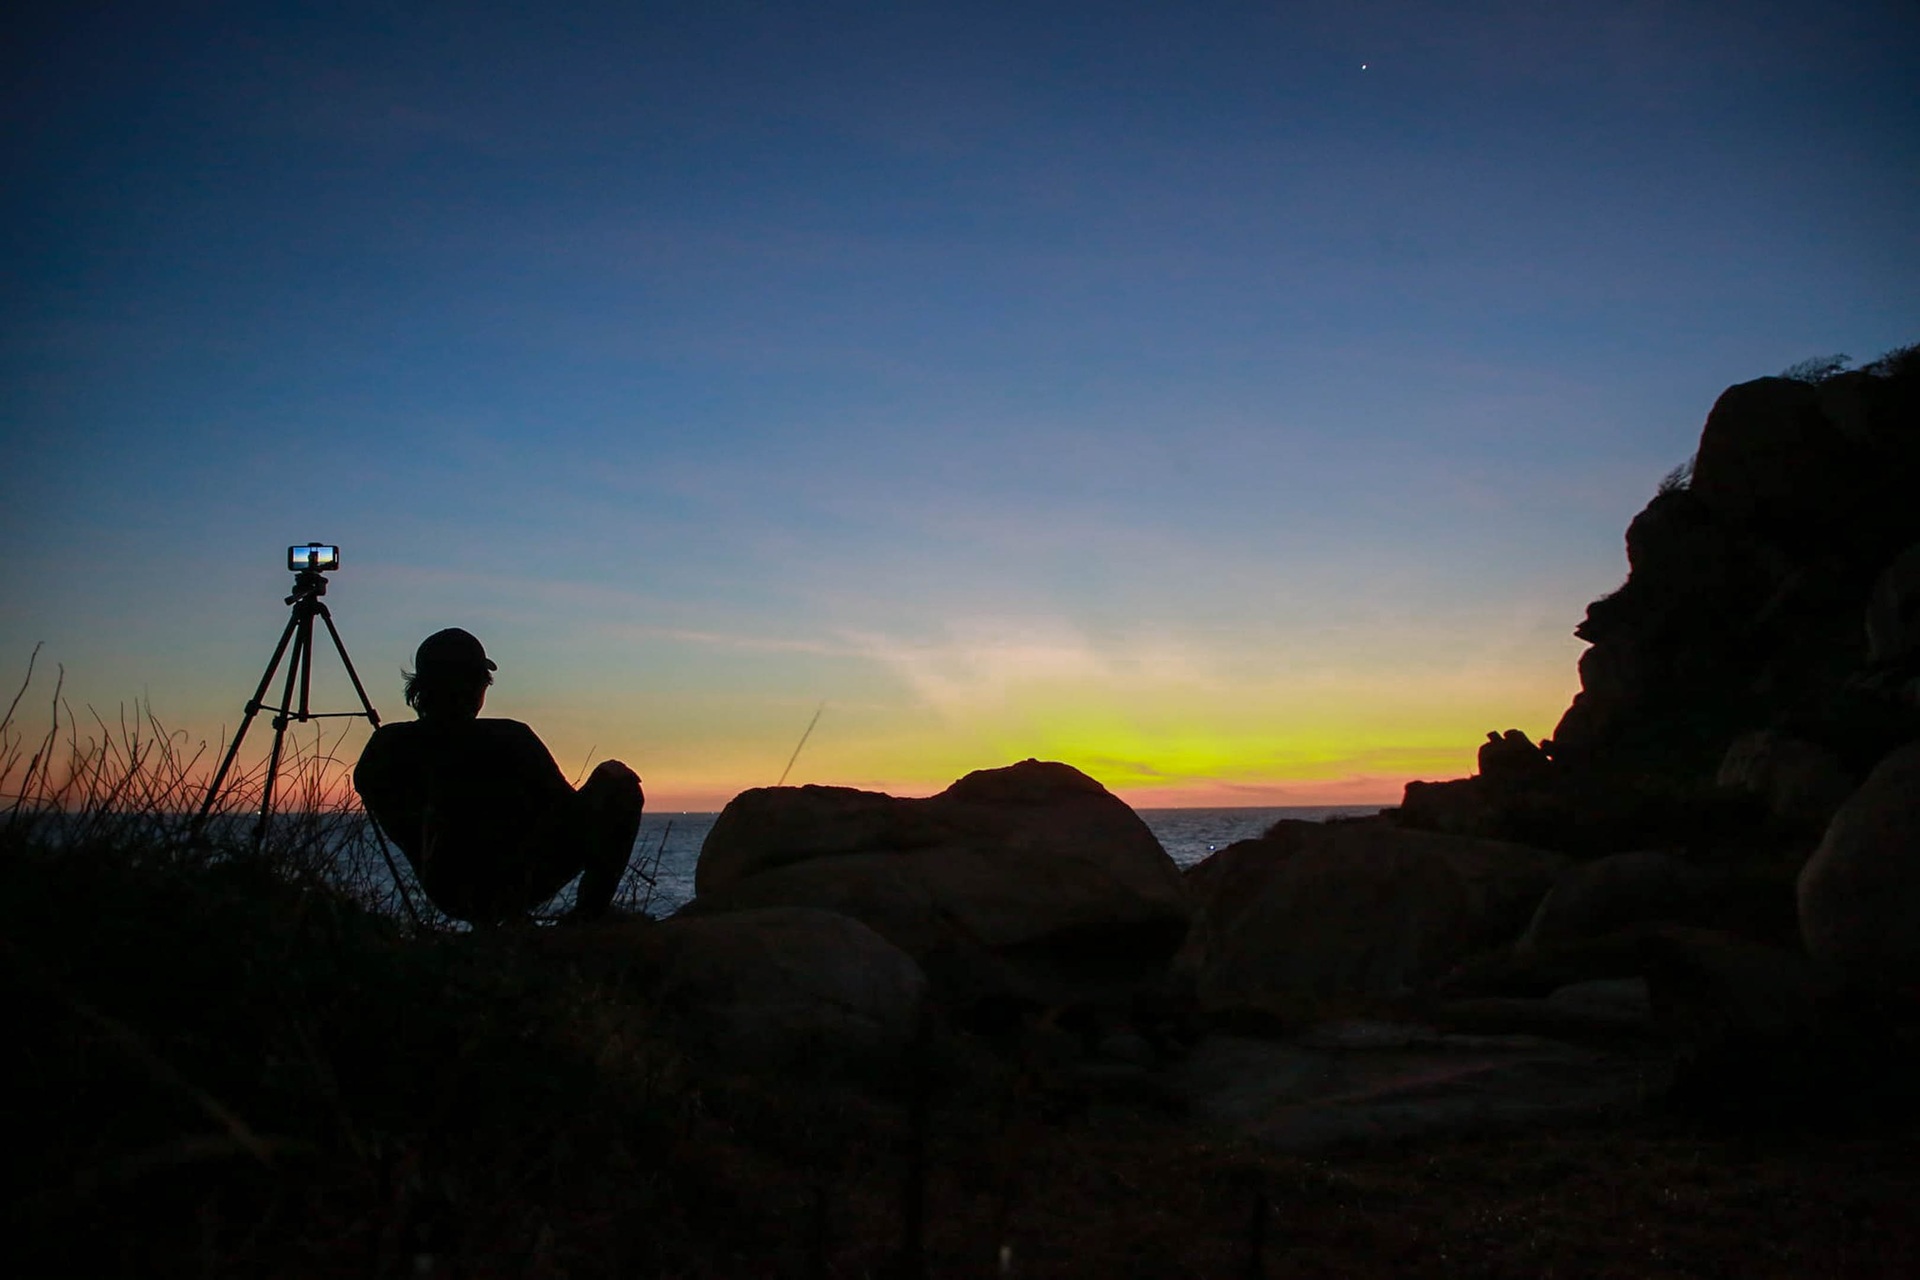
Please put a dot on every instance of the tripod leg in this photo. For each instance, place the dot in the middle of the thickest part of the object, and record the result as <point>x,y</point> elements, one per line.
<point>393,869</point>
<point>340,648</point>
<point>373,717</point>
<point>306,668</point>
<point>246,722</point>
<point>302,660</point>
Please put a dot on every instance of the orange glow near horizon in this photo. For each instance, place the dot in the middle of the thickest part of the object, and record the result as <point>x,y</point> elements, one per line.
<point>1161,726</point>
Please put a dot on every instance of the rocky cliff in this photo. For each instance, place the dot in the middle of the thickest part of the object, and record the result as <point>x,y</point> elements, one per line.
<point>1763,654</point>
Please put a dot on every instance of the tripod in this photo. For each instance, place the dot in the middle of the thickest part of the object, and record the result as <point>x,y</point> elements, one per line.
<point>308,586</point>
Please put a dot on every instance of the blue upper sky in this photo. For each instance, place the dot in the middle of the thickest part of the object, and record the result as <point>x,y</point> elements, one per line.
<point>1228,398</point>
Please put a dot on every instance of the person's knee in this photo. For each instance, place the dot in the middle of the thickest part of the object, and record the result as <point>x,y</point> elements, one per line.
<point>610,772</point>
<point>614,783</point>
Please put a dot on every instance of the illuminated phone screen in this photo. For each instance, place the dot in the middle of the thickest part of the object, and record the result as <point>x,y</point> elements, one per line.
<point>313,557</point>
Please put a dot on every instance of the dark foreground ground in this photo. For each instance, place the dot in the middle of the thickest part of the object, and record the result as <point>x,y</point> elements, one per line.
<point>220,1074</point>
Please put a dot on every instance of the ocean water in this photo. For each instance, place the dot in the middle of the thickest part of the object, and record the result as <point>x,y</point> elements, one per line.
<point>1190,835</point>
<point>669,844</point>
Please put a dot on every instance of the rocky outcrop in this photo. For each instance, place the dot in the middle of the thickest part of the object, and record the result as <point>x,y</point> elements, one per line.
<point>1550,807</point>
<point>1859,893</point>
<point>1771,460</point>
<point>1314,911</point>
<point>1031,881</point>
<point>1746,601</point>
<point>1770,591</point>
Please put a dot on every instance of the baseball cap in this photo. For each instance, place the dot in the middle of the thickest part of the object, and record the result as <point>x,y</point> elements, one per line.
<point>452,648</point>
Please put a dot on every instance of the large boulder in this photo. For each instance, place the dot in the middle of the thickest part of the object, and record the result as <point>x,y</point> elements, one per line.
<point>1353,909</point>
<point>1031,881</point>
<point>1760,1034</point>
<point>1683,557</point>
<point>1770,459</point>
<point>1748,580</point>
<point>1800,783</point>
<point>1593,899</point>
<point>1859,894</point>
<point>1710,988</point>
<point>1893,613</point>
<point>787,986</point>
<point>1459,807</point>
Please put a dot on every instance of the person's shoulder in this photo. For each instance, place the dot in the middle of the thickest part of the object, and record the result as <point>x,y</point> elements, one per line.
<point>505,732</point>
<point>398,735</point>
<point>390,746</point>
<point>517,741</point>
<point>502,727</point>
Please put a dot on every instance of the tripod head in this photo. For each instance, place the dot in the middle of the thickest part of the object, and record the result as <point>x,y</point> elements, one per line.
<point>309,564</point>
<point>308,584</point>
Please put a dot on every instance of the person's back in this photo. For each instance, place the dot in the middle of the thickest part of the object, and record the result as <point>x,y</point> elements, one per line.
<point>479,807</point>
<point>486,782</point>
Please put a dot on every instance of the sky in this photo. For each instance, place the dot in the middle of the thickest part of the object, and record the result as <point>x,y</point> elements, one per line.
<point>1240,402</point>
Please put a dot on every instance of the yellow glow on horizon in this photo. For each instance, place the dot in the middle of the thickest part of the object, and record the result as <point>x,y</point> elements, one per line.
<point>1339,741</point>
<point>1162,721</point>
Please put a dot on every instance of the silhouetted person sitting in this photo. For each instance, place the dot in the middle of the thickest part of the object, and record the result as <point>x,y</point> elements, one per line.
<point>478,806</point>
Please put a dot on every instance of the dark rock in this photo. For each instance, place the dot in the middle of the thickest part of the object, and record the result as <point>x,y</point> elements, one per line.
<point>1893,613</point>
<point>1709,988</point>
<point>1626,999</point>
<point>781,989</point>
<point>1030,882</point>
<point>1859,894</point>
<point>1621,891</point>
<point>771,827</point>
<point>1128,1047</point>
<point>1362,1082</point>
<point>1605,1011</point>
<point>1747,588</point>
<point>1512,759</point>
<point>1770,460</point>
<point>1758,1034</point>
<point>1536,972</point>
<point>788,987</point>
<point>1566,809</point>
<point>1316,910</point>
<point>1799,783</point>
<point>1769,592</point>
<point>1461,807</point>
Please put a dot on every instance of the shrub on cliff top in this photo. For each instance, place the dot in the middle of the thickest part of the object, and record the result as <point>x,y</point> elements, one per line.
<point>1817,369</point>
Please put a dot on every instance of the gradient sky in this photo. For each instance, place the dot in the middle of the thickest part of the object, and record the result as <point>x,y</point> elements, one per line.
<point>1238,401</point>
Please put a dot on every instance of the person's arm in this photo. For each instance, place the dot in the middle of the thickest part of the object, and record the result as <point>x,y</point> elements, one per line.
<point>536,767</point>
<point>397,807</point>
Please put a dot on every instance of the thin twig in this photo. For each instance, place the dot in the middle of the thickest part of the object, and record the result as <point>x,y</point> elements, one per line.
<point>652,877</point>
<point>15,704</point>
<point>803,742</point>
